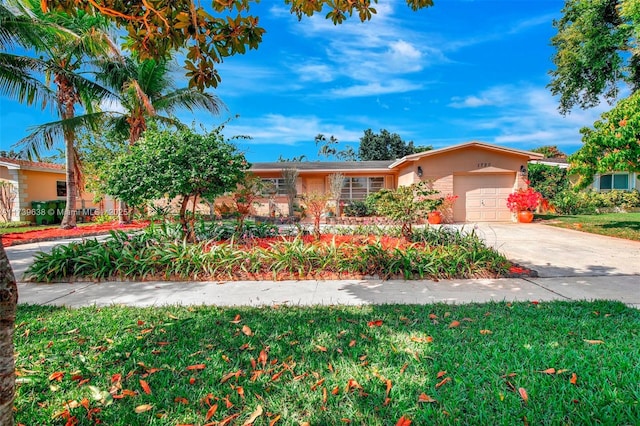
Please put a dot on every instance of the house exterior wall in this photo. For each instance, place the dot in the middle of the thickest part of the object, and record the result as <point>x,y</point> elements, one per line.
<point>308,182</point>
<point>441,168</point>
<point>35,185</point>
<point>465,173</point>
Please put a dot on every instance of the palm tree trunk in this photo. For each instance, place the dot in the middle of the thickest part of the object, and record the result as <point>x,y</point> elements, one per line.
<point>69,219</point>
<point>67,98</point>
<point>8,304</point>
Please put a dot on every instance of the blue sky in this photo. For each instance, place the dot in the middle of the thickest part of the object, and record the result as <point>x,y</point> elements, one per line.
<point>461,70</point>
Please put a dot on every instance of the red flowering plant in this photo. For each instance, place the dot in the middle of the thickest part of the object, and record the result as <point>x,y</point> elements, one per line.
<point>524,199</point>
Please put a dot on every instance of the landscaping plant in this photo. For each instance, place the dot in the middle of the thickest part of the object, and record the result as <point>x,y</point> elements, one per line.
<point>157,253</point>
<point>407,204</point>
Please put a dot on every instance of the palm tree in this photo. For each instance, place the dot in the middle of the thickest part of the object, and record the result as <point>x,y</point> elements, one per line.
<point>62,64</point>
<point>146,91</point>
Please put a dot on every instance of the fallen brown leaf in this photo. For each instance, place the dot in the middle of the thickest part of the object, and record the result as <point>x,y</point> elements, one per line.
<point>523,394</point>
<point>143,408</point>
<point>574,379</point>
<point>454,324</point>
<point>403,421</point>
<point>548,371</point>
<point>426,398</point>
<point>252,418</point>
<point>246,330</point>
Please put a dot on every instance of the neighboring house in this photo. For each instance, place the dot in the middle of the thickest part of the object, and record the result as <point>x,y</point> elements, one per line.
<point>482,175</point>
<point>623,181</point>
<point>35,181</point>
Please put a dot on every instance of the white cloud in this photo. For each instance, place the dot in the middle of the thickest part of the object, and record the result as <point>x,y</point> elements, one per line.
<point>365,56</point>
<point>375,88</point>
<point>314,72</point>
<point>528,116</point>
<point>495,96</point>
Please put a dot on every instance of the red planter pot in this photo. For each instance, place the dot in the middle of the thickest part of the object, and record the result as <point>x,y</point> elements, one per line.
<point>525,216</point>
<point>434,218</point>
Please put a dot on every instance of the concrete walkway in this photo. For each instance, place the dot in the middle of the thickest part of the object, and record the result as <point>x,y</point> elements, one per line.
<point>572,265</point>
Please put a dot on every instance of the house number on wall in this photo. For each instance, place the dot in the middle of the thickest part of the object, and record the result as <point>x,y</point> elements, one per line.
<point>483,165</point>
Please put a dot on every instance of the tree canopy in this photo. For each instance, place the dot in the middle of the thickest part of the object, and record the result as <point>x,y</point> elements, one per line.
<point>172,164</point>
<point>550,151</point>
<point>383,146</point>
<point>613,144</point>
<point>596,50</point>
<point>226,28</point>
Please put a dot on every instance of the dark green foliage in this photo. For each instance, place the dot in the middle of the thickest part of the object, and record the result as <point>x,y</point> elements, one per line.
<point>548,180</point>
<point>357,208</point>
<point>589,202</point>
<point>383,146</point>
<point>219,231</point>
<point>595,51</point>
<point>550,151</point>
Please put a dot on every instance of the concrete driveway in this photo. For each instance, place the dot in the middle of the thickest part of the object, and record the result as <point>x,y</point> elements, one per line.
<point>557,252</point>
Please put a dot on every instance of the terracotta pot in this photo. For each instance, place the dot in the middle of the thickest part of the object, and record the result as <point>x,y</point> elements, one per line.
<point>434,218</point>
<point>525,216</point>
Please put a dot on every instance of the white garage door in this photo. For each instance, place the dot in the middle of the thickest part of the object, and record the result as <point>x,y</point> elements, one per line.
<point>482,197</point>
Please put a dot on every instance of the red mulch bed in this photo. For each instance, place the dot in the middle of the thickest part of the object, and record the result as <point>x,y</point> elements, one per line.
<point>57,233</point>
<point>387,242</point>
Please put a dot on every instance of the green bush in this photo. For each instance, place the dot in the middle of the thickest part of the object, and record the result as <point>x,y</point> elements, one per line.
<point>226,230</point>
<point>588,202</point>
<point>17,224</point>
<point>357,209</point>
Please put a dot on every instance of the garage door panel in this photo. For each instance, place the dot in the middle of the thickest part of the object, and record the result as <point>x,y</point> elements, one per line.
<point>483,198</point>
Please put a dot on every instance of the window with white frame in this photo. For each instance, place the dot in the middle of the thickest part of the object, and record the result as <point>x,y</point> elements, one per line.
<point>274,186</point>
<point>357,188</point>
<point>611,181</point>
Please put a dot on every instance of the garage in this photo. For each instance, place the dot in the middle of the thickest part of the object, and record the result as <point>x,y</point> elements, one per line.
<point>482,197</point>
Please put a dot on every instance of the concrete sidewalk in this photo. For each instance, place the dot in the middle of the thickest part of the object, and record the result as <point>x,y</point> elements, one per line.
<point>344,292</point>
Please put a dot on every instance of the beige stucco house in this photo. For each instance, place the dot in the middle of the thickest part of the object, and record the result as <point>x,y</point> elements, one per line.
<point>482,175</point>
<point>36,181</point>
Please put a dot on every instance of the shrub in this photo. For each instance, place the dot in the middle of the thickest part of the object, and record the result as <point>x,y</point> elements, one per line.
<point>357,208</point>
<point>154,253</point>
<point>523,200</point>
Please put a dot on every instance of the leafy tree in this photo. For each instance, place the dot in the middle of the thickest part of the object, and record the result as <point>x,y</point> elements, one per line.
<point>173,164</point>
<point>407,204</point>
<point>155,31</point>
<point>596,50</point>
<point>550,151</point>
<point>613,144</point>
<point>550,181</point>
<point>383,146</point>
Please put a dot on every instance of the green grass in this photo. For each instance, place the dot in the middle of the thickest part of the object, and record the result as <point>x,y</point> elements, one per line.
<point>22,229</point>
<point>621,225</point>
<point>313,353</point>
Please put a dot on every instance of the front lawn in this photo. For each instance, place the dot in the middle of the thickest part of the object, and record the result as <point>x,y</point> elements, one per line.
<point>621,225</point>
<point>496,363</point>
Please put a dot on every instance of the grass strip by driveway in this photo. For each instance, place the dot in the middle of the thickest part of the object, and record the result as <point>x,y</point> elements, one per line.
<point>496,363</point>
<point>621,225</point>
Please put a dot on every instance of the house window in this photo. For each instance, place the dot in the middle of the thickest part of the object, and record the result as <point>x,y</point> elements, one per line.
<point>357,188</point>
<point>275,186</point>
<point>614,181</point>
<point>61,188</point>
